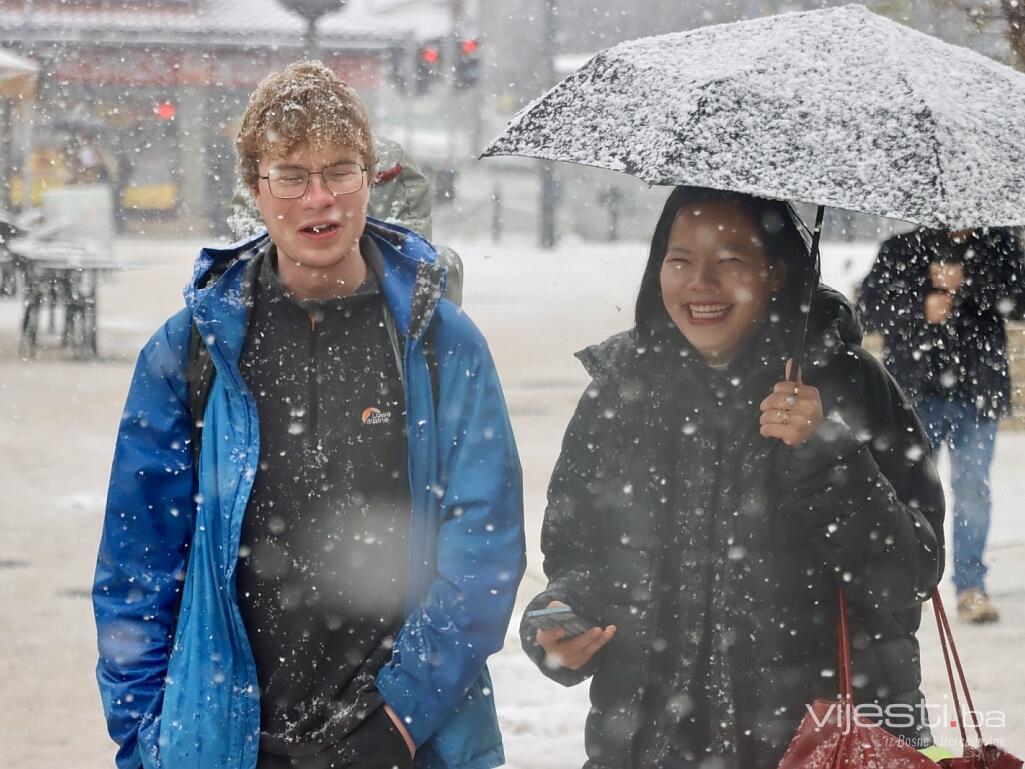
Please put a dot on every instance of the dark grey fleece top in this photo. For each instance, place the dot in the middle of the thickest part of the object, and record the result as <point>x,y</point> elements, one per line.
<point>322,565</point>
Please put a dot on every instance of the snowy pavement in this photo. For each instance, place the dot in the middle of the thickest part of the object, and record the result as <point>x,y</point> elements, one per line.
<point>58,420</point>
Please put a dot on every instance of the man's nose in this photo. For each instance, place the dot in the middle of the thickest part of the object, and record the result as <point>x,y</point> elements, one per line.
<point>317,192</point>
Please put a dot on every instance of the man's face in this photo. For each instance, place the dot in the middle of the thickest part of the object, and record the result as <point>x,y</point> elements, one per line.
<point>319,229</point>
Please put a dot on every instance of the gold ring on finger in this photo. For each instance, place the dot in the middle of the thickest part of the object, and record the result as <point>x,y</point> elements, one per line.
<point>784,418</point>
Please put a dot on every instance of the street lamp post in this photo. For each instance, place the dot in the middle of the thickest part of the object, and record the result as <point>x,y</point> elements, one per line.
<point>312,10</point>
<point>549,192</point>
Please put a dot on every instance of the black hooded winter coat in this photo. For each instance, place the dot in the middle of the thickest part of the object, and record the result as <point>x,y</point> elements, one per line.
<point>973,341</point>
<point>718,553</point>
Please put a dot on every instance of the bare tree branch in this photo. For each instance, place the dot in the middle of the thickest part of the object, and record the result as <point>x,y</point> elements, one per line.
<point>1014,14</point>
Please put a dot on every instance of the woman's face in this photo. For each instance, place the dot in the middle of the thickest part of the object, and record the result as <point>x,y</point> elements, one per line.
<point>716,278</point>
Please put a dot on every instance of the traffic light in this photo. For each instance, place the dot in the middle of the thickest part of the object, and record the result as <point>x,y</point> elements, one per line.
<point>467,69</point>
<point>165,110</point>
<point>428,67</point>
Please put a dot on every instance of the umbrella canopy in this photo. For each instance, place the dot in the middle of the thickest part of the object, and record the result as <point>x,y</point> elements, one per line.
<point>837,107</point>
<point>17,75</point>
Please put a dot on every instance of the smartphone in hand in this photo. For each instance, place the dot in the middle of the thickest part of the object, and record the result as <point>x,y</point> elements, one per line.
<point>556,617</point>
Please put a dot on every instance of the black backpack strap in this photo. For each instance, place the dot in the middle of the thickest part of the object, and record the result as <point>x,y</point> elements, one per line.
<point>199,378</point>
<point>199,370</point>
<point>199,374</point>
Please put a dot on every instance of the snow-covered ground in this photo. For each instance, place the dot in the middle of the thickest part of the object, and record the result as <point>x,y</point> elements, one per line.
<point>58,421</point>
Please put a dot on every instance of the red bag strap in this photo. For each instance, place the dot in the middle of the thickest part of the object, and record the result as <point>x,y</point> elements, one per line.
<point>844,687</point>
<point>950,650</point>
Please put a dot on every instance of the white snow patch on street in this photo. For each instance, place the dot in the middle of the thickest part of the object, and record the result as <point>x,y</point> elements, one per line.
<point>536,308</point>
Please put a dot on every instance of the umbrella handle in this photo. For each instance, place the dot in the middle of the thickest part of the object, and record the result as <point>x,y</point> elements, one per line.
<point>816,236</point>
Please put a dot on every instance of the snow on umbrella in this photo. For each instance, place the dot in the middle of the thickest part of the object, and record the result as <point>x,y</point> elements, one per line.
<point>837,107</point>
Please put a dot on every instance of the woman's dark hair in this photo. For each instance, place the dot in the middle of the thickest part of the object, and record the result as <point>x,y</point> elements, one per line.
<point>779,227</point>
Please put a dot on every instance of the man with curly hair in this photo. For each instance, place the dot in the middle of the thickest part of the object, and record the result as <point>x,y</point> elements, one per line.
<point>313,534</point>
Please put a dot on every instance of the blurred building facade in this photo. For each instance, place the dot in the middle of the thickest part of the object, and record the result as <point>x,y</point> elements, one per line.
<point>146,96</point>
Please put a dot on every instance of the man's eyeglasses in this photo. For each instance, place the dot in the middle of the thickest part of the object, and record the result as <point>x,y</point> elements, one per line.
<point>288,182</point>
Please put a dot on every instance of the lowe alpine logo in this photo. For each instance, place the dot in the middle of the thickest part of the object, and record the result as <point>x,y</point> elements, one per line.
<point>374,416</point>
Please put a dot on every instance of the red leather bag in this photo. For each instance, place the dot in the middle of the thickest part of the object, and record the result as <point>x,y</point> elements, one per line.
<point>981,756</point>
<point>830,736</point>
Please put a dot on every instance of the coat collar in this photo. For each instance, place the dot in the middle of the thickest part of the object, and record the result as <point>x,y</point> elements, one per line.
<point>411,280</point>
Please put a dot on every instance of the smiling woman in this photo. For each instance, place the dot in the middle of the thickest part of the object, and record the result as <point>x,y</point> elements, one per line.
<point>723,265</point>
<point>704,510</point>
<point>717,279</point>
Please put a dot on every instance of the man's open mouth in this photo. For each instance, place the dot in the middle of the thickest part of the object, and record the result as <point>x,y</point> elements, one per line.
<point>320,229</point>
<point>709,311</point>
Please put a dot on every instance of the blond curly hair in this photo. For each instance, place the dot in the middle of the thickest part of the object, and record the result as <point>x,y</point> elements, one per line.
<point>304,102</point>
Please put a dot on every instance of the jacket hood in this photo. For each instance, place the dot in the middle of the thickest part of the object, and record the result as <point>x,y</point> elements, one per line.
<point>412,281</point>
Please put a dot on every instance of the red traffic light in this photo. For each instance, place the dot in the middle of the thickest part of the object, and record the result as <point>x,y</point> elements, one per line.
<point>470,46</point>
<point>429,55</point>
<point>165,111</point>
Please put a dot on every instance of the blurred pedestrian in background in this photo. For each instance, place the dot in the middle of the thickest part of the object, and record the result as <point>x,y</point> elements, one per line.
<point>941,300</point>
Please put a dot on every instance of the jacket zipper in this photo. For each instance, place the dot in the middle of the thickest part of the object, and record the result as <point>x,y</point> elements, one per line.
<point>658,572</point>
<point>314,369</point>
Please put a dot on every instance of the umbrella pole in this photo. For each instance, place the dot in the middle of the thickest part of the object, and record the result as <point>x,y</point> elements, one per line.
<point>815,237</point>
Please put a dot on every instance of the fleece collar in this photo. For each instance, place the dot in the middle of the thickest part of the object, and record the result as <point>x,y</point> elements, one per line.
<point>411,279</point>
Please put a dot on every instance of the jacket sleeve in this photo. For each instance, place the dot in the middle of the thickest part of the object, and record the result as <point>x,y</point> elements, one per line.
<point>1014,276</point>
<point>572,560</point>
<point>481,551</point>
<point>147,529</point>
<point>995,280</point>
<point>885,296</point>
<point>871,498</point>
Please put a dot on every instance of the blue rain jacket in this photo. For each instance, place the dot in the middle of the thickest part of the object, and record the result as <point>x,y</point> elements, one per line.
<point>175,670</point>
